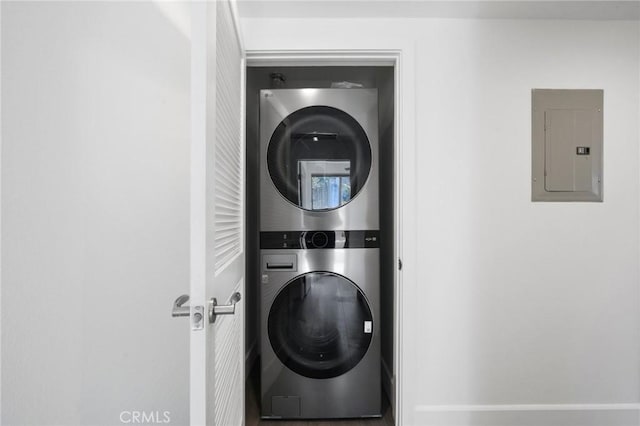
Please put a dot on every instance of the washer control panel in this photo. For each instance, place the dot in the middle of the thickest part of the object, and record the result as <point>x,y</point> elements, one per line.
<point>306,240</point>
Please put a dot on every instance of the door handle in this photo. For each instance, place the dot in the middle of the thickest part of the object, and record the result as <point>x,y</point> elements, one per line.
<point>179,310</point>
<point>230,309</point>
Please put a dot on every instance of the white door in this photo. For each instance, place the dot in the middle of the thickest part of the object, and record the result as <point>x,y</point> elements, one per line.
<point>217,217</point>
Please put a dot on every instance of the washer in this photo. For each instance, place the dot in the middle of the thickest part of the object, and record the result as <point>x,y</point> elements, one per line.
<point>320,330</point>
<point>318,159</point>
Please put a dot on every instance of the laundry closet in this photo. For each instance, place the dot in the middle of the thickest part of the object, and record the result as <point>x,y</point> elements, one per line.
<point>320,241</point>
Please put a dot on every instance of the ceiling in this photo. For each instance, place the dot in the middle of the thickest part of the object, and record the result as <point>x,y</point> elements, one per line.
<point>479,9</point>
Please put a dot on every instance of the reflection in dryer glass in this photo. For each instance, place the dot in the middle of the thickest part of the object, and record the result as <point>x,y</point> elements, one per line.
<point>317,325</point>
<point>330,192</point>
<point>323,184</point>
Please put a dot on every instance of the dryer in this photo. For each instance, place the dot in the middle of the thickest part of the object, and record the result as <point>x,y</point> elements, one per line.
<point>320,330</point>
<point>318,159</point>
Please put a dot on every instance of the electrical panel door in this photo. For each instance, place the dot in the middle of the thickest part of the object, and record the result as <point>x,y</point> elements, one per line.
<point>566,145</point>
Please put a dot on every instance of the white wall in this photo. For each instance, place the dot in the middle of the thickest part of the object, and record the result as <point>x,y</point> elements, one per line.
<point>511,302</point>
<point>95,211</point>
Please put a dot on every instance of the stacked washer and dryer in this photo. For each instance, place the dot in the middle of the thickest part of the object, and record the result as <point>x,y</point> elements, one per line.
<point>319,250</point>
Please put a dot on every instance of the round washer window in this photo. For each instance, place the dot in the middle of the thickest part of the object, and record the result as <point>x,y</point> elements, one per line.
<point>319,158</point>
<point>320,325</point>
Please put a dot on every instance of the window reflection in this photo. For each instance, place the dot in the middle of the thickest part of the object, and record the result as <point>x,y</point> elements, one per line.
<point>324,184</point>
<point>330,192</point>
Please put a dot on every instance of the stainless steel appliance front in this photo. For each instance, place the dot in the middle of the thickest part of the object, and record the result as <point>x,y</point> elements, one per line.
<point>320,333</point>
<point>318,159</point>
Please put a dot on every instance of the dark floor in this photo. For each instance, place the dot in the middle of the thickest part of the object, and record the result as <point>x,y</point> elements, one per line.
<point>252,413</point>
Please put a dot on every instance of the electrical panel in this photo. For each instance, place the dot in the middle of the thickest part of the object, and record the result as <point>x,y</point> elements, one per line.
<point>566,145</point>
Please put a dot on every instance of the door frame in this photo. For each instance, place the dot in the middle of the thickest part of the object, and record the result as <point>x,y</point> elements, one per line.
<point>401,56</point>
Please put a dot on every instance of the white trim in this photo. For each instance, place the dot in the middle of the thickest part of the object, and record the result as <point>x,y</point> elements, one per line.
<point>363,57</point>
<point>397,403</point>
<point>444,9</point>
<point>1,209</point>
<point>243,152</point>
<point>528,407</point>
<point>198,213</point>
<point>405,245</point>
<point>243,156</point>
<point>243,335</point>
<point>610,414</point>
<point>233,5</point>
<point>402,58</point>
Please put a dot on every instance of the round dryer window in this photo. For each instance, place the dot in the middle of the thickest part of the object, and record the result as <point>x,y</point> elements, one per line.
<point>319,158</point>
<point>320,325</point>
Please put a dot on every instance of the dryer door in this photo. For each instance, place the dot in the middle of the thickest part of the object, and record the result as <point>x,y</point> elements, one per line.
<point>319,158</point>
<point>320,325</point>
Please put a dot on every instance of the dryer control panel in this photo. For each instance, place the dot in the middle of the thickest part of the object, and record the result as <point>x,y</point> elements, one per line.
<point>319,239</point>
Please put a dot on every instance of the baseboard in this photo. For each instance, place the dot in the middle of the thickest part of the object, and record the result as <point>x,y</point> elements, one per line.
<point>250,358</point>
<point>527,415</point>
<point>388,386</point>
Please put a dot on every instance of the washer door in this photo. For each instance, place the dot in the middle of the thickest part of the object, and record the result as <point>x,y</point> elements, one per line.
<point>319,158</point>
<point>320,325</point>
